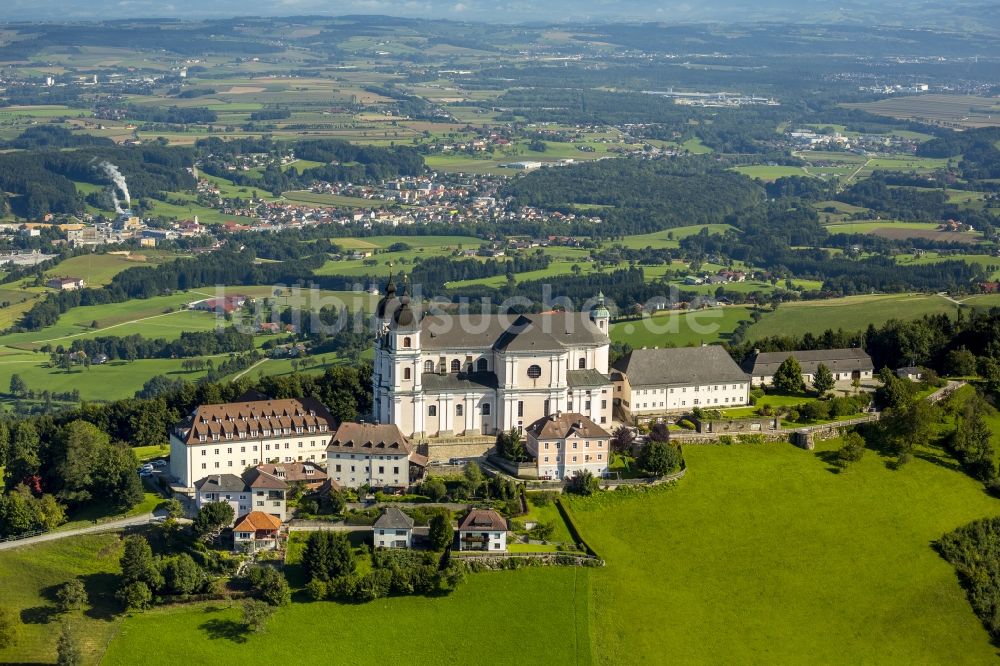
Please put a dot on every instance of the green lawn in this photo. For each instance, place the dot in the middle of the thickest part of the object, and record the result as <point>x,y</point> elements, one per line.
<point>772,400</point>
<point>144,453</point>
<point>95,512</point>
<point>29,577</point>
<point>852,313</point>
<point>668,237</point>
<point>427,630</point>
<point>762,555</point>
<point>548,513</point>
<point>98,269</point>
<point>680,329</point>
<point>112,381</point>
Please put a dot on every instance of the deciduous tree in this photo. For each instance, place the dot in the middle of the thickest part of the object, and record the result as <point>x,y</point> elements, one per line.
<point>256,614</point>
<point>621,439</point>
<point>212,518</point>
<point>68,651</point>
<point>659,458</point>
<point>71,595</point>
<point>788,376</point>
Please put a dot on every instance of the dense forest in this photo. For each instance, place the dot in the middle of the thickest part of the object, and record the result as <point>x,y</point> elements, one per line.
<point>646,195</point>
<point>342,162</point>
<point>39,182</point>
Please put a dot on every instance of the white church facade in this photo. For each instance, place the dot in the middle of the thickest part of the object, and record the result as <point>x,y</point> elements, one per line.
<point>452,375</point>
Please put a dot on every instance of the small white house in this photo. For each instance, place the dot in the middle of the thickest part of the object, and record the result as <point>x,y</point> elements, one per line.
<point>393,529</point>
<point>483,529</point>
<point>914,374</point>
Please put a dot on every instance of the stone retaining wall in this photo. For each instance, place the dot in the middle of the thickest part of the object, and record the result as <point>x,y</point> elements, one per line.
<point>446,449</point>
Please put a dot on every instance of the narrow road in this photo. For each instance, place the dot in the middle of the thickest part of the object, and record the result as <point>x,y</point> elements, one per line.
<point>90,529</point>
<point>946,390</point>
<point>946,297</point>
<point>855,174</point>
<point>263,360</point>
<point>106,328</point>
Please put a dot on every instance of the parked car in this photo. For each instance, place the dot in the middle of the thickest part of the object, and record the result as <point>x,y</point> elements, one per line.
<point>159,463</point>
<point>146,468</point>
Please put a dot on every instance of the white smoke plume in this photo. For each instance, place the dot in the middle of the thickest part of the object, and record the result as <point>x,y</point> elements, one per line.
<point>119,180</point>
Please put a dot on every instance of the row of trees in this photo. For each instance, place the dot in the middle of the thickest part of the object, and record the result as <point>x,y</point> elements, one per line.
<point>188,344</point>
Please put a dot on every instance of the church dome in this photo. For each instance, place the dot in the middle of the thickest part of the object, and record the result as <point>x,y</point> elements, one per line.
<point>389,303</point>
<point>404,317</point>
<point>599,311</point>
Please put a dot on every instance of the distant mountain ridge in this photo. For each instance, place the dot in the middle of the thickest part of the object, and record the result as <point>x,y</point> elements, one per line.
<point>971,15</point>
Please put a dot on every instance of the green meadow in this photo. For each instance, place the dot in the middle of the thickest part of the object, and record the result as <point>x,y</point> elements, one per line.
<point>762,554</point>
<point>769,173</point>
<point>98,269</point>
<point>851,313</point>
<point>543,611</point>
<point>680,329</point>
<point>30,575</point>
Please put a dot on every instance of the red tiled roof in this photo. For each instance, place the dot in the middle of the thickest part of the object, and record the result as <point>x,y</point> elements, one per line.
<point>483,520</point>
<point>257,520</point>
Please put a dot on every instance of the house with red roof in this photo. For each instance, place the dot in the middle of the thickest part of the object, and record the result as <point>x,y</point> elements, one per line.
<point>256,531</point>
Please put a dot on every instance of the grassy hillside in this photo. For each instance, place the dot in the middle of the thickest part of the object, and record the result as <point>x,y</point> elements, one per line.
<point>679,329</point>
<point>852,313</point>
<point>30,575</point>
<point>528,616</point>
<point>762,555</point>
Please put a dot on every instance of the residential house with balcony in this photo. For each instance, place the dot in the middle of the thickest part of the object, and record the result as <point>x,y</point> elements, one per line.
<point>483,530</point>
